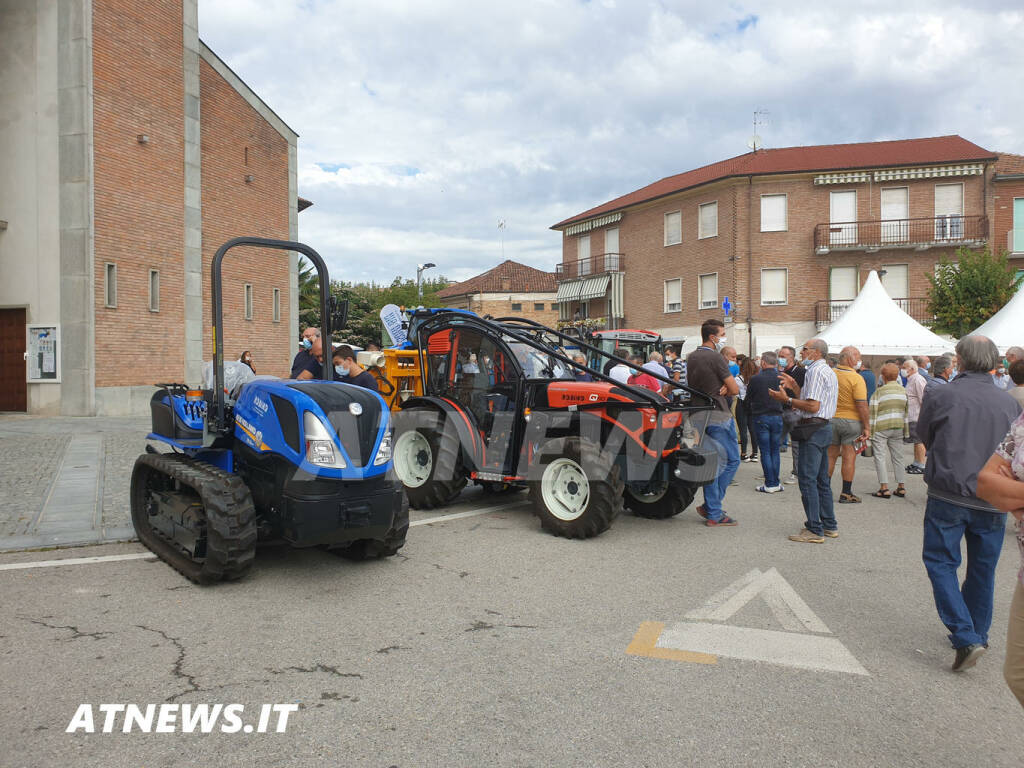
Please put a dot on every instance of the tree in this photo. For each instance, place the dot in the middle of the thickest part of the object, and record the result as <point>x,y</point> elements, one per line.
<point>309,295</point>
<point>965,293</point>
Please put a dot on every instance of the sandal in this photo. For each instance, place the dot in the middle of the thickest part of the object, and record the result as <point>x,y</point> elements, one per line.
<point>901,492</point>
<point>882,494</point>
<point>848,498</point>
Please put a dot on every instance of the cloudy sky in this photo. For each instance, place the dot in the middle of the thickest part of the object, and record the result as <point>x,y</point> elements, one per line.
<point>425,123</point>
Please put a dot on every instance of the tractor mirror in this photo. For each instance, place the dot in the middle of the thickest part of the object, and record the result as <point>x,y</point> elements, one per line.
<point>339,314</point>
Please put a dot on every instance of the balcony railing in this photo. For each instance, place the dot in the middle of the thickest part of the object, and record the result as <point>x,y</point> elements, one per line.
<point>595,265</point>
<point>935,232</point>
<point>827,312</point>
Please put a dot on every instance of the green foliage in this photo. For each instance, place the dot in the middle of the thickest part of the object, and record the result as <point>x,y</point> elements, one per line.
<point>365,302</point>
<point>964,294</point>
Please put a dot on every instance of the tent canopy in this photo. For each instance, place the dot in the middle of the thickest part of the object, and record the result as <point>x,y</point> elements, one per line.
<point>1006,327</point>
<point>875,324</point>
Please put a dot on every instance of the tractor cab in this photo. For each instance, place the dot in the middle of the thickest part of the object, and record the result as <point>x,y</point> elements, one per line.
<point>624,344</point>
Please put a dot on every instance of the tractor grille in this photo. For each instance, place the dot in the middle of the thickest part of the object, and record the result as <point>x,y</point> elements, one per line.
<point>357,433</point>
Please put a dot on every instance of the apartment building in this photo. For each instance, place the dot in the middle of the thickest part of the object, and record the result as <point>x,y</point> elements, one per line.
<point>784,238</point>
<point>130,153</point>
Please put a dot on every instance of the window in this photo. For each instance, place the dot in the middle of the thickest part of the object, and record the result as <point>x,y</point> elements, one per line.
<point>707,290</point>
<point>517,307</point>
<point>110,285</point>
<point>248,301</point>
<point>673,228</point>
<point>584,309</point>
<point>555,306</point>
<point>277,305</point>
<point>842,217</point>
<point>896,281</point>
<point>154,290</point>
<point>674,295</point>
<point>895,212</point>
<point>949,211</point>
<point>842,284</point>
<point>774,286</point>
<point>773,213</point>
<point>538,306</point>
<point>611,240</point>
<point>1015,242</point>
<point>707,223</point>
<point>583,253</point>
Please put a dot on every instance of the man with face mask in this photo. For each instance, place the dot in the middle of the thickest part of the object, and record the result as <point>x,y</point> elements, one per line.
<point>708,372</point>
<point>789,366</point>
<point>348,371</point>
<point>305,362</point>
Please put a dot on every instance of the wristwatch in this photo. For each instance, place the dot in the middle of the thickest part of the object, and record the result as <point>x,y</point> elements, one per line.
<point>790,402</point>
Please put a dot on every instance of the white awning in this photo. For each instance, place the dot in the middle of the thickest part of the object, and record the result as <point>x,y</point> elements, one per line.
<point>569,291</point>
<point>586,226</point>
<point>842,178</point>
<point>594,288</point>
<point>892,174</point>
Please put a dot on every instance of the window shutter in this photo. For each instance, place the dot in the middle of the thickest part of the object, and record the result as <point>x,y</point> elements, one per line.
<point>773,213</point>
<point>774,288</point>
<point>673,295</point>
<point>949,199</point>
<point>708,291</point>
<point>709,220</point>
<point>611,240</point>
<point>842,284</point>
<point>673,228</point>
<point>896,281</point>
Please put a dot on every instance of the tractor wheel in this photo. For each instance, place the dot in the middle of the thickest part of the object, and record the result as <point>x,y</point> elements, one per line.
<point>574,492</point>
<point>370,549</point>
<point>427,461</point>
<point>672,499</point>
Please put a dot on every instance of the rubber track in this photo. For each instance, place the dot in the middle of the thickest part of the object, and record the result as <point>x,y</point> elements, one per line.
<point>230,518</point>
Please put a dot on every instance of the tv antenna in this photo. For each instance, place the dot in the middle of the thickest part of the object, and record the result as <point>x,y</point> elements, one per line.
<point>760,118</point>
<point>501,236</point>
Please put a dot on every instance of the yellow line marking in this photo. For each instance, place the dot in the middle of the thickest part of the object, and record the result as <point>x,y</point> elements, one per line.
<point>645,644</point>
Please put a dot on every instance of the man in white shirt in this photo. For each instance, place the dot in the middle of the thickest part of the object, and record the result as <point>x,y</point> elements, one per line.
<point>916,384</point>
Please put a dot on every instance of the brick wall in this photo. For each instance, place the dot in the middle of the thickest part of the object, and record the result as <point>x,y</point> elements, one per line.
<point>500,305</point>
<point>1003,193</point>
<point>138,88</point>
<point>236,142</point>
<point>740,250</point>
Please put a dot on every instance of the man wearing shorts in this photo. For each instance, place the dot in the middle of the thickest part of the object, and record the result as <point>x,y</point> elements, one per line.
<point>851,422</point>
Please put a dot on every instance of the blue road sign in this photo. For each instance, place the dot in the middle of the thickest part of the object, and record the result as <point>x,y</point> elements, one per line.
<point>726,305</point>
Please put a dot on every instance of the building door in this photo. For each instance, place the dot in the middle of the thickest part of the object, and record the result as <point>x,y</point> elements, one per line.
<point>611,249</point>
<point>842,215</point>
<point>13,386</point>
<point>949,211</point>
<point>895,212</point>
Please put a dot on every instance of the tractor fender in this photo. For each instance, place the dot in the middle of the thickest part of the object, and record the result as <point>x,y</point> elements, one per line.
<point>463,421</point>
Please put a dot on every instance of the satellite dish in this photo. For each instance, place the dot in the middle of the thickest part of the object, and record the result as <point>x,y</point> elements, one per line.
<point>754,142</point>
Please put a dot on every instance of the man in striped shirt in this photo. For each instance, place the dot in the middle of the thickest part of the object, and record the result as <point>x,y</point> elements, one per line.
<point>818,401</point>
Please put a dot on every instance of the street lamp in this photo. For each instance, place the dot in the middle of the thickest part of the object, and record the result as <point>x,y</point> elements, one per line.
<point>419,276</point>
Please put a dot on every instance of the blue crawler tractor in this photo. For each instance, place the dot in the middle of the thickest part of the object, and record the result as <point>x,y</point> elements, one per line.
<point>304,461</point>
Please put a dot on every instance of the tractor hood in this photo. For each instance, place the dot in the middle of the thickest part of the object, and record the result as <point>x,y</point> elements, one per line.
<point>565,393</point>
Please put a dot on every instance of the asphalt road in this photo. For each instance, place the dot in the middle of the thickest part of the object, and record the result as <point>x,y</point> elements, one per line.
<point>489,643</point>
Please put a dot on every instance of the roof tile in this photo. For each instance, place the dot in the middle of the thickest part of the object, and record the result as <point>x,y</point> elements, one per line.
<point>509,276</point>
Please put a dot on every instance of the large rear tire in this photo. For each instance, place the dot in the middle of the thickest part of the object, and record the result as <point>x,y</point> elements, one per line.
<point>672,500</point>
<point>230,516</point>
<point>575,493</point>
<point>427,459</point>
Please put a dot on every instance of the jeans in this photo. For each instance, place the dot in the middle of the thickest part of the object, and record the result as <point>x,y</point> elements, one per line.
<point>769,435</point>
<point>966,611</point>
<point>888,441</point>
<point>724,438</point>
<point>815,484</point>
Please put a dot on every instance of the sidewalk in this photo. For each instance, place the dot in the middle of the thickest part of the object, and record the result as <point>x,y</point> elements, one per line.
<point>65,480</point>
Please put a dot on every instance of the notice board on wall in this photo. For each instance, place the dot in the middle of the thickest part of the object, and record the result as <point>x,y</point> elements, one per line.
<point>43,357</point>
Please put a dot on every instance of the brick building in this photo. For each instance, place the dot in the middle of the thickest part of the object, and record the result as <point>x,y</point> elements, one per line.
<point>788,236</point>
<point>131,152</point>
<point>510,289</point>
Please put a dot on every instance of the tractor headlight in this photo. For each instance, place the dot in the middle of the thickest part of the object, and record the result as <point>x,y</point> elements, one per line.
<point>384,452</point>
<point>320,448</point>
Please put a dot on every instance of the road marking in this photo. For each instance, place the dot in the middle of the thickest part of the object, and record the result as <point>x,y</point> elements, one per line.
<point>77,561</point>
<point>460,515</point>
<point>705,636</point>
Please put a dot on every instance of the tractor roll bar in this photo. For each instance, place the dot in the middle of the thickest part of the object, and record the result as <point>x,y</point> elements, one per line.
<point>218,311</point>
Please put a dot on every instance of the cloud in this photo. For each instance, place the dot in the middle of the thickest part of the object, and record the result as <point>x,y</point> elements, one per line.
<point>423,124</point>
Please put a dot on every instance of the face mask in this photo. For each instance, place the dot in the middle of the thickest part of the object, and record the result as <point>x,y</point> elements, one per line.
<point>341,371</point>
<point>858,365</point>
<point>928,366</point>
<point>953,373</point>
<point>805,362</point>
<point>720,344</point>
<point>306,343</point>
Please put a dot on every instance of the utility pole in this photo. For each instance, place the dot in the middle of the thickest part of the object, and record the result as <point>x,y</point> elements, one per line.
<point>419,277</point>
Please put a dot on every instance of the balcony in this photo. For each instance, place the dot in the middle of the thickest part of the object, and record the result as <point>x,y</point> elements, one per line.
<point>920,234</point>
<point>594,265</point>
<point>827,312</point>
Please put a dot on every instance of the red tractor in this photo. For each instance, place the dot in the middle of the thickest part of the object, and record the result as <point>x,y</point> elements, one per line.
<point>502,405</point>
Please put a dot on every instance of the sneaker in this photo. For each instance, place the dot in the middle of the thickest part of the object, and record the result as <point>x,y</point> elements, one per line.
<point>791,479</point>
<point>753,458</point>
<point>724,521</point>
<point>833,534</point>
<point>807,537</point>
<point>770,488</point>
<point>783,448</point>
<point>913,469</point>
<point>967,656</point>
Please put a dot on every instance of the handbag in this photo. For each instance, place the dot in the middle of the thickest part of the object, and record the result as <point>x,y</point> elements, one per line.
<point>807,427</point>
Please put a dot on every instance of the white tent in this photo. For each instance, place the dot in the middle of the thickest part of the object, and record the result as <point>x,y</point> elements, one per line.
<point>1006,327</point>
<point>875,324</point>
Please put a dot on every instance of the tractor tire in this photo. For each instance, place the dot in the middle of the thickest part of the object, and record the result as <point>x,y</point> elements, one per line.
<point>227,505</point>
<point>575,493</point>
<point>671,502</point>
<point>370,549</point>
<point>428,461</point>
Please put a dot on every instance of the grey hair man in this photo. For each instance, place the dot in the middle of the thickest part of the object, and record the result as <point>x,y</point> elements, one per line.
<point>1001,376</point>
<point>961,425</point>
<point>942,371</point>
<point>817,403</point>
<point>916,385</point>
